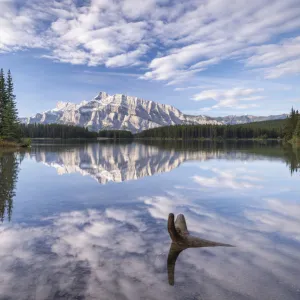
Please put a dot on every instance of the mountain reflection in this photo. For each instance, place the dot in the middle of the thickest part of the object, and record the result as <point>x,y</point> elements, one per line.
<point>121,162</point>
<point>9,168</point>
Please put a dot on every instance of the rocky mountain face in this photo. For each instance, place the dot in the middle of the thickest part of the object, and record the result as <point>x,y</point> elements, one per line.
<point>116,112</point>
<point>231,120</point>
<point>125,112</point>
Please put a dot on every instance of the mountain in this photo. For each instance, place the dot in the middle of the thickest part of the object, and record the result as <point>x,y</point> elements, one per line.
<point>126,112</point>
<point>116,112</point>
<point>231,120</point>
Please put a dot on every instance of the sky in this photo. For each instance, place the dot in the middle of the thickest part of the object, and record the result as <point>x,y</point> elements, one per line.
<point>211,57</point>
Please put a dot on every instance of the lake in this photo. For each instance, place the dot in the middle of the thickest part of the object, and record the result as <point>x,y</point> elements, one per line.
<point>89,221</point>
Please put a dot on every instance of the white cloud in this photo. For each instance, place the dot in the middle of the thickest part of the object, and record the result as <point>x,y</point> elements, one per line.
<point>90,34</point>
<point>230,98</point>
<point>105,73</point>
<point>291,67</point>
<point>184,38</point>
<point>275,53</point>
<point>276,59</point>
<point>215,31</point>
<point>127,59</point>
<point>195,87</point>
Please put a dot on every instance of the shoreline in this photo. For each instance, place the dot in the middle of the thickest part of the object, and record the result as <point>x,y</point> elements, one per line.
<point>206,139</point>
<point>26,143</point>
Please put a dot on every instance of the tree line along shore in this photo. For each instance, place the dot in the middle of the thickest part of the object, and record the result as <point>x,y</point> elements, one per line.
<point>13,133</point>
<point>287,130</point>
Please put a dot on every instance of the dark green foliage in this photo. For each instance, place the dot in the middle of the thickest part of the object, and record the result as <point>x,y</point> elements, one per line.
<point>271,149</point>
<point>115,134</point>
<point>292,155</point>
<point>10,121</point>
<point>9,125</point>
<point>9,168</point>
<point>292,127</point>
<point>25,142</point>
<point>266,129</point>
<point>297,130</point>
<point>3,99</point>
<point>56,131</point>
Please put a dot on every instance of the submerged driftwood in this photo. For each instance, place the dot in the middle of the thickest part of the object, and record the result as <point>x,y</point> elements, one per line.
<point>181,240</point>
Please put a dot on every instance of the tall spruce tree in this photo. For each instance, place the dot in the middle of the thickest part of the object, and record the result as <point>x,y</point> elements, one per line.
<point>297,130</point>
<point>10,124</point>
<point>3,99</point>
<point>290,125</point>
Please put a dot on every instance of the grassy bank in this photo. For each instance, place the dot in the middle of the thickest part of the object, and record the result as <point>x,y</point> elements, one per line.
<point>61,139</point>
<point>23,143</point>
<point>295,142</point>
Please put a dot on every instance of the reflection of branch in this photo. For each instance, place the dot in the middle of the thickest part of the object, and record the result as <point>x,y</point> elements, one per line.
<point>174,252</point>
<point>182,240</point>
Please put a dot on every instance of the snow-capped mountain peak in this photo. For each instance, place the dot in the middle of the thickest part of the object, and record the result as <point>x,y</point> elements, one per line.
<point>126,112</point>
<point>64,105</point>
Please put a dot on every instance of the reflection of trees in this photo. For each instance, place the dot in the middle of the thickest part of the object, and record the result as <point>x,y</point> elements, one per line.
<point>181,240</point>
<point>231,148</point>
<point>292,156</point>
<point>270,149</point>
<point>9,167</point>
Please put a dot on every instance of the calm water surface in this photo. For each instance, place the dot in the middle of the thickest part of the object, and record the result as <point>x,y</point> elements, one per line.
<point>90,221</point>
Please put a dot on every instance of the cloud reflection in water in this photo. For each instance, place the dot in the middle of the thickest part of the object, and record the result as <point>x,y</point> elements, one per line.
<point>121,254</point>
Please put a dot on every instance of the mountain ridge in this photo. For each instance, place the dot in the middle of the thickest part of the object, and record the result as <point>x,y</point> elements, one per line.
<point>130,113</point>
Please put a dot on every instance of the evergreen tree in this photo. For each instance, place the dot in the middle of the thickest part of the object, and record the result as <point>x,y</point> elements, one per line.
<point>289,126</point>
<point>11,97</point>
<point>294,118</point>
<point>10,124</point>
<point>297,130</point>
<point>3,99</point>
<point>55,131</point>
<point>115,134</point>
<point>267,129</point>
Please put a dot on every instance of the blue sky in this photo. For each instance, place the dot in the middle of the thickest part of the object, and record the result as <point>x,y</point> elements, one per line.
<point>212,57</point>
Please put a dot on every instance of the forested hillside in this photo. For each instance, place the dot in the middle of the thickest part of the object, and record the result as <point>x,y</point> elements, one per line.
<point>266,129</point>
<point>56,131</point>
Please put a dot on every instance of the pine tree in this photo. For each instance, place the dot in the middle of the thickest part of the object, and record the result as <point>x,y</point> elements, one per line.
<point>294,118</point>
<point>3,99</point>
<point>10,124</point>
<point>297,130</point>
<point>290,125</point>
<point>11,96</point>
